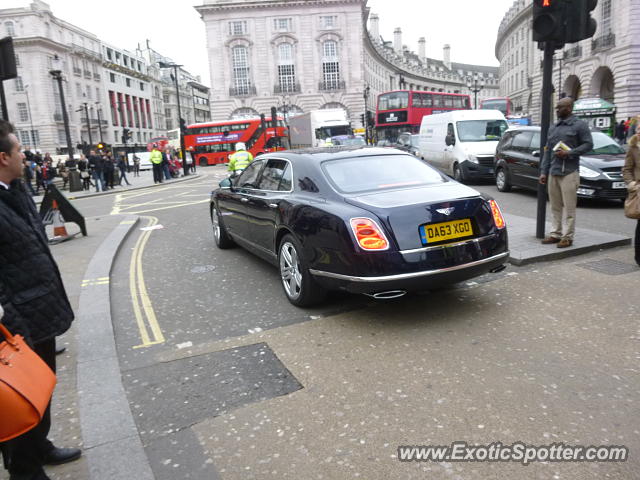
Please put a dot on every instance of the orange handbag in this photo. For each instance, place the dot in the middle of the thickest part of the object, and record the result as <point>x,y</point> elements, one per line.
<point>26,386</point>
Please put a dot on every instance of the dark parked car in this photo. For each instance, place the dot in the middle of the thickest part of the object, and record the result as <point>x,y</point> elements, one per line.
<point>518,161</point>
<point>366,220</point>
<point>407,142</point>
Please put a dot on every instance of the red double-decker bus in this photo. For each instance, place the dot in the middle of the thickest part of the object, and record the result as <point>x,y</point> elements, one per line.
<point>212,142</point>
<point>503,104</point>
<point>402,110</point>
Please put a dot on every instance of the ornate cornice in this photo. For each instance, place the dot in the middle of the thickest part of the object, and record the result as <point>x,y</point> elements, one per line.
<point>271,4</point>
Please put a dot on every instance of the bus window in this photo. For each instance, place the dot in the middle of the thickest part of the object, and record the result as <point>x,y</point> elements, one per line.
<point>393,101</point>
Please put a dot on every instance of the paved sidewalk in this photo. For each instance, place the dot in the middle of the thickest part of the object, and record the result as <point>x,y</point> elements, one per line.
<point>145,180</point>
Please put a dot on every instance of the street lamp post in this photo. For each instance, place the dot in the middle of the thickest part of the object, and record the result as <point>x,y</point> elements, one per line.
<point>366,120</point>
<point>33,136</point>
<point>86,112</point>
<point>99,111</point>
<point>175,67</point>
<point>56,73</point>
<point>284,107</point>
<point>475,85</point>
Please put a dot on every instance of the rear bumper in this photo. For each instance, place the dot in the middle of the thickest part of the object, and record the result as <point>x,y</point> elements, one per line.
<point>422,269</point>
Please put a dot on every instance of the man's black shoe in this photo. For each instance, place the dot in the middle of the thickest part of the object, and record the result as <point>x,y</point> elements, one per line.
<point>58,455</point>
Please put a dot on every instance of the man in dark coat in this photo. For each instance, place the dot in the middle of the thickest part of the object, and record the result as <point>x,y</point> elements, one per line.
<point>96,165</point>
<point>34,301</point>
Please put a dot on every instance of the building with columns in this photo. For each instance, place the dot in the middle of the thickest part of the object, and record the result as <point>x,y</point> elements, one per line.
<point>604,66</point>
<point>306,55</point>
<point>106,88</point>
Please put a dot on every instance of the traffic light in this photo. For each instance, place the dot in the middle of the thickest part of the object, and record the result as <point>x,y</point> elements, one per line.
<point>274,117</point>
<point>549,20</point>
<point>362,119</point>
<point>580,25</point>
<point>183,125</point>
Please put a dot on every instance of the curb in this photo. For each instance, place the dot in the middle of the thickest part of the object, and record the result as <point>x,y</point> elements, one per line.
<point>559,254</point>
<point>112,444</point>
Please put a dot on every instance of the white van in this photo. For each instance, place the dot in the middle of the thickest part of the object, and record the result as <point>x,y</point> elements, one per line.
<point>462,143</point>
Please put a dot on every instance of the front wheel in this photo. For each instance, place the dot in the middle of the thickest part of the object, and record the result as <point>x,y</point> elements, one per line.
<point>502,182</point>
<point>299,285</point>
<point>220,235</point>
<point>458,176</point>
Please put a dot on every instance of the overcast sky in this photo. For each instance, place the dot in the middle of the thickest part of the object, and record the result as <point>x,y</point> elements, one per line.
<point>175,28</point>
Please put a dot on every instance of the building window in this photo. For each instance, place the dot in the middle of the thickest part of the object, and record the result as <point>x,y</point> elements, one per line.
<point>24,137</point>
<point>19,85</point>
<point>109,54</point>
<point>328,21</point>
<point>88,92</point>
<point>128,82</point>
<point>141,86</point>
<point>286,69</point>
<point>78,90</point>
<point>238,28</point>
<point>330,50</point>
<point>17,60</point>
<point>23,113</point>
<point>240,65</point>
<point>606,17</point>
<point>165,98</point>
<point>112,77</point>
<point>62,137</point>
<point>330,65</point>
<point>282,24</point>
<point>11,31</point>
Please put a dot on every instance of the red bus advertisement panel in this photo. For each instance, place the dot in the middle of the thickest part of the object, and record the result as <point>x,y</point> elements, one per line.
<point>212,143</point>
<point>402,111</point>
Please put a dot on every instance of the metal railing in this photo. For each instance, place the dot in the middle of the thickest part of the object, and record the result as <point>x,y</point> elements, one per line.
<point>294,88</point>
<point>603,43</point>
<point>335,85</point>
<point>242,91</point>
<point>77,71</point>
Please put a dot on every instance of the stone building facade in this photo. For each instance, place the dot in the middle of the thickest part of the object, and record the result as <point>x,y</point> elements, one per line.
<point>116,87</point>
<point>306,55</point>
<point>604,66</point>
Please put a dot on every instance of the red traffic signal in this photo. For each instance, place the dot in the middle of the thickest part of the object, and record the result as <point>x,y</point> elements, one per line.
<point>548,20</point>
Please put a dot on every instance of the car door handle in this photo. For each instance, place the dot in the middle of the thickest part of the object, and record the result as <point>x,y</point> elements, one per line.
<point>273,205</point>
<point>244,199</point>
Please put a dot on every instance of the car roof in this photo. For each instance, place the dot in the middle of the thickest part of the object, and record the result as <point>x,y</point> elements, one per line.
<point>320,154</point>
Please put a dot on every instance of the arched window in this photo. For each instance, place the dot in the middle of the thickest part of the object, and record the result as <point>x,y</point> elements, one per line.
<point>244,112</point>
<point>286,69</point>
<point>240,67</point>
<point>330,66</point>
<point>10,29</point>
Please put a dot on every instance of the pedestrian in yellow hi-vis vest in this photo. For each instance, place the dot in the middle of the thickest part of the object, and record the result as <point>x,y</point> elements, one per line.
<point>240,159</point>
<point>156,160</point>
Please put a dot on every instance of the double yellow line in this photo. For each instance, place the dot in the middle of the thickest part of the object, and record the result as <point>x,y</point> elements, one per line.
<point>150,331</point>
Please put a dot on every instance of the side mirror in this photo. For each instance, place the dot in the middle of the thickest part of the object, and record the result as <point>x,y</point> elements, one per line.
<point>536,153</point>
<point>450,140</point>
<point>226,183</point>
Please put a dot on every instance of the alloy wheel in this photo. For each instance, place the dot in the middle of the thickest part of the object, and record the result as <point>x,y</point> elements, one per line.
<point>501,179</point>
<point>290,270</point>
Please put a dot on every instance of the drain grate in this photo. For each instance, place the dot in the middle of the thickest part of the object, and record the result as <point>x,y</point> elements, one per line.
<point>609,266</point>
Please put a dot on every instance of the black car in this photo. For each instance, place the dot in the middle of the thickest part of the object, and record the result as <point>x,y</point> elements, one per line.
<point>366,220</point>
<point>518,161</point>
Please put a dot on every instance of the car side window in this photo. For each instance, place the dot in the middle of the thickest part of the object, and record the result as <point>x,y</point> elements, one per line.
<point>248,178</point>
<point>505,142</point>
<point>522,140</point>
<point>287,179</point>
<point>535,142</point>
<point>272,174</point>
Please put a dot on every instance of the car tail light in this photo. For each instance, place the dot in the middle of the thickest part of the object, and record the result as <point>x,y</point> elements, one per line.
<point>369,235</point>
<point>498,219</point>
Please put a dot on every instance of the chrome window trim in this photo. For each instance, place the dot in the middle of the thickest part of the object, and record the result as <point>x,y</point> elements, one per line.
<point>448,245</point>
<point>407,276</point>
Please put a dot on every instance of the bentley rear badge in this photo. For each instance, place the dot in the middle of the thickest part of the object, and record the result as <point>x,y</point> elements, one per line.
<point>446,211</point>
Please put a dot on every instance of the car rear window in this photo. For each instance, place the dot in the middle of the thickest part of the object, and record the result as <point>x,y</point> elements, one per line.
<point>380,172</point>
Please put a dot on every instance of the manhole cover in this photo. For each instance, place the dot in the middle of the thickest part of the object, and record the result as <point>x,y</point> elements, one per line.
<point>610,266</point>
<point>203,268</point>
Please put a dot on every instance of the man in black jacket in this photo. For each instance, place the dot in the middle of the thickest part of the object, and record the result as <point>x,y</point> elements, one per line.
<point>34,301</point>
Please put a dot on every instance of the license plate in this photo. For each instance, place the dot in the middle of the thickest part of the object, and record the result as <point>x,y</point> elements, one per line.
<point>440,232</point>
<point>619,185</point>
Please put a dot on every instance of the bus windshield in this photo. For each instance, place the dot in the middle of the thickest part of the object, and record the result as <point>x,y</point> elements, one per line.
<point>481,130</point>
<point>393,101</point>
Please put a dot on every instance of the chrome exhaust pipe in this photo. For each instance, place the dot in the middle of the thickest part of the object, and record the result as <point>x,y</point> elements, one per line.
<point>391,294</point>
<point>498,269</point>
